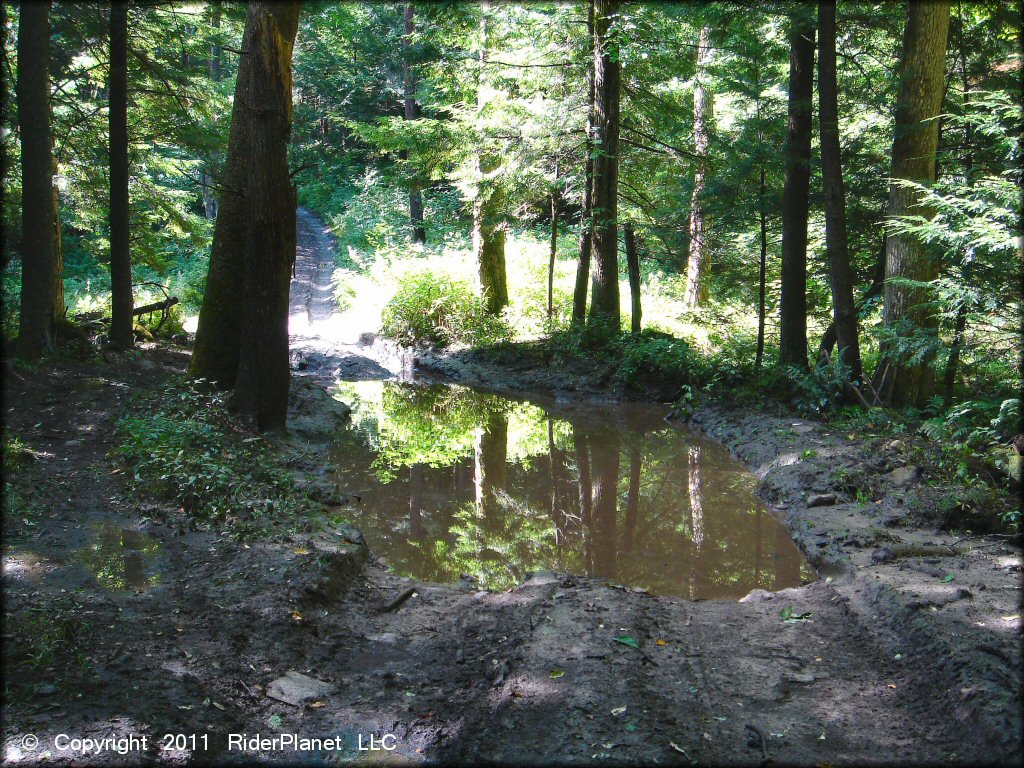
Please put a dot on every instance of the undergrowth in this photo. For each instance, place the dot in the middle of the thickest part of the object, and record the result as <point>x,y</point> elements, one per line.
<point>183,445</point>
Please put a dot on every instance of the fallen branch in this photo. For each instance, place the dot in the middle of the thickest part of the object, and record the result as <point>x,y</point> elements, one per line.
<point>395,604</point>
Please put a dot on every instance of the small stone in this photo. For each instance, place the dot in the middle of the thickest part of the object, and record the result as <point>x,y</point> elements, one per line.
<point>895,445</point>
<point>904,476</point>
<point>821,500</point>
<point>296,689</point>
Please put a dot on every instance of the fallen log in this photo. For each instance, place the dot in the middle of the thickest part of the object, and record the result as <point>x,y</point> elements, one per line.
<point>157,306</point>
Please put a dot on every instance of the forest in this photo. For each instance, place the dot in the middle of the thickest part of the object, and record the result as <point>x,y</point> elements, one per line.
<point>705,314</point>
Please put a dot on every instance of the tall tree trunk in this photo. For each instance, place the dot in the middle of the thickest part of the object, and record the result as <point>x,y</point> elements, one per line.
<point>841,276</point>
<point>121,334</point>
<point>949,374</point>
<point>633,269</point>
<point>207,181</point>
<point>828,339</point>
<point>261,388</point>
<point>489,202</point>
<point>915,140</point>
<point>604,292</point>
<point>35,327</point>
<point>762,269</point>
<point>419,232</point>
<point>219,334</point>
<point>703,113</point>
<point>793,301</point>
<point>604,450</point>
<point>554,247</point>
<point>60,309</point>
<point>579,296</point>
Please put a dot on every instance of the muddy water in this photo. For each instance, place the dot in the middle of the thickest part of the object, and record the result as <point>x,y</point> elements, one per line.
<point>449,483</point>
<point>119,558</point>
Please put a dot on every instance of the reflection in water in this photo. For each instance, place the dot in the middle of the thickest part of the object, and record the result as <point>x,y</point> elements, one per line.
<point>454,481</point>
<point>119,558</point>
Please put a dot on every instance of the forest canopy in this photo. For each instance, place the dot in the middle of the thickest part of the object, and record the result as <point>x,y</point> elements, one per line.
<point>822,198</point>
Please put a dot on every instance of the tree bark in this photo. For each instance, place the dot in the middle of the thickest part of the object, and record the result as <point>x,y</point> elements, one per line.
<point>35,326</point>
<point>841,276</point>
<point>699,262</point>
<point>261,388</point>
<point>762,269</point>
<point>828,339</point>
<point>604,292</point>
<point>793,301</point>
<point>121,334</point>
<point>488,205</point>
<point>579,296</point>
<point>915,140</point>
<point>633,269</point>
<point>218,337</point>
<point>419,232</point>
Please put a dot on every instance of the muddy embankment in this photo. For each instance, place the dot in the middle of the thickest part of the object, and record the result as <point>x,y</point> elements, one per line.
<point>894,544</point>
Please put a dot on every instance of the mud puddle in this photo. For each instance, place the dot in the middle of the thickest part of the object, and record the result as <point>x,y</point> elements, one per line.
<point>451,484</point>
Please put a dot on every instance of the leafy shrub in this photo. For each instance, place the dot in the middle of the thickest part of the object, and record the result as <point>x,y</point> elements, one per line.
<point>440,310</point>
<point>822,389</point>
<point>184,445</point>
<point>653,359</point>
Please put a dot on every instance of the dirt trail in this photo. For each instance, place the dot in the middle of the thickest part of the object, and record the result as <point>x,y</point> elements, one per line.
<point>535,675</point>
<point>321,344</point>
<point>312,293</point>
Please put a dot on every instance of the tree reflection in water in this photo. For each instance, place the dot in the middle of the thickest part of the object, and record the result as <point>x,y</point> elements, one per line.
<point>496,488</point>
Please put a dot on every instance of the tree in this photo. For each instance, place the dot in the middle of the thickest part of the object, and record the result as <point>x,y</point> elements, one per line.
<point>38,202</point>
<point>703,114</point>
<point>633,270</point>
<point>795,202</point>
<point>489,202</point>
<point>840,275</point>
<point>579,296</point>
<point>121,333</point>
<point>604,292</point>
<point>261,387</point>
<point>905,378</point>
<point>218,337</point>
<point>411,112</point>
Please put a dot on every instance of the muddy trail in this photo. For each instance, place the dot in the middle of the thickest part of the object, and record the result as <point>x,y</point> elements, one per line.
<point>883,659</point>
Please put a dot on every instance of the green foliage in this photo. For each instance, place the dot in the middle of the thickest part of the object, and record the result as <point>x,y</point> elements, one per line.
<point>820,390</point>
<point>15,453</point>
<point>54,637</point>
<point>440,310</point>
<point>183,445</point>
